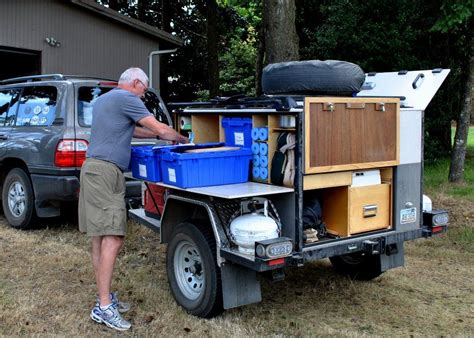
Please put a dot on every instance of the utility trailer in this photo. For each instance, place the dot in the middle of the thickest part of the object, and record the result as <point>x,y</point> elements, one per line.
<point>339,143</point>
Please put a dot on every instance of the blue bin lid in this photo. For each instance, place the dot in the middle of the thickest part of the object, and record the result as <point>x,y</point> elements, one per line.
<point>236,121</point>
<point>172,156</point>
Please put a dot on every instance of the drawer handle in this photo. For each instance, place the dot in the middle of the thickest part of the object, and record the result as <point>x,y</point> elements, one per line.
<point>370,210</point>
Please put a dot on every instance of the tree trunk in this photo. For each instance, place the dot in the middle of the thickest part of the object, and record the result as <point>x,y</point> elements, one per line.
<point>281,40</point>
<point>141,10</point>
<point>458,153</point>
<point>259,60</point>
<point>212,48</point>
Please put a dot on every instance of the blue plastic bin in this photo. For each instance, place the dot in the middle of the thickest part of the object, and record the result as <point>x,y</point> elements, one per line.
<point>238,131</point>
<point>188,170</point>
<point>145,163</point>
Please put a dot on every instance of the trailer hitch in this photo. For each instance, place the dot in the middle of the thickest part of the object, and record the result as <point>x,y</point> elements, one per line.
<point>373,246</point>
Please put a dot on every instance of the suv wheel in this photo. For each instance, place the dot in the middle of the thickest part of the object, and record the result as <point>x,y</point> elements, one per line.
<point>18,199</point>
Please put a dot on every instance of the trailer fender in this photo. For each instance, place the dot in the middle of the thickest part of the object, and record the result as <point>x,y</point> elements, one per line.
<point>179,209</point>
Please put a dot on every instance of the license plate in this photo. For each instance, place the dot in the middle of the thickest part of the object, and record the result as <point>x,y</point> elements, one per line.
<point>408,215</point>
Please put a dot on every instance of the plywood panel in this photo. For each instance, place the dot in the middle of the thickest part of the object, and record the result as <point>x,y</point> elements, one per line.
<point>335,210</point>
<point>350,133</point>
<point>318,181</point>
<point>205,128</point>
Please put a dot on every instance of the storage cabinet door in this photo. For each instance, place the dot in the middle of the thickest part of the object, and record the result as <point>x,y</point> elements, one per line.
<point>350,133</point>
<point>369,208</point>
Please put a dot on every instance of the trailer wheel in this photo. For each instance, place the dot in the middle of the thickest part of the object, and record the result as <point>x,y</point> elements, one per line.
<point>18,200</point>
<point>193,275</point>
<point>360,266</point>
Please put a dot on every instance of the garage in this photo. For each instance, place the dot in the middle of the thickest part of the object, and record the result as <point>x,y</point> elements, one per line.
<point>77,37</point>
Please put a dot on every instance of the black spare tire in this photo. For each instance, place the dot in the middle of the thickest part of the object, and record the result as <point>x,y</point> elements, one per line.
<point>330,77</point>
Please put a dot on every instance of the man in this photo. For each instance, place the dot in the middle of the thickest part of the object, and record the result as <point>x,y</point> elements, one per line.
<point>102,212</point>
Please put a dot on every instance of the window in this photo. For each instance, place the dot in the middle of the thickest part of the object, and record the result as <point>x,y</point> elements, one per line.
<point>8,106</point>
<point>86,99</point>
<point>37,106</point>
<point>153,104</point>
<point>88,95</point>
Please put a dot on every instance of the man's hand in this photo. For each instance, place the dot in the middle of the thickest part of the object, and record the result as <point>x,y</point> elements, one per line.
<point>182,139</point>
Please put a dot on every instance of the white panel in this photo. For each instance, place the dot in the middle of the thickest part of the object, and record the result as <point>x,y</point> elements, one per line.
<point>239,190</point>
<point>410,136</point>
<point>417,87</point>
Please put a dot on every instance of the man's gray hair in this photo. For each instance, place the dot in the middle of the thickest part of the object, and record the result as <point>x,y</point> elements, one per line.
<point>132,74</point>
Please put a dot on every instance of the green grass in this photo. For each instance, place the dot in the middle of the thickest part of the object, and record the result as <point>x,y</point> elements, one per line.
<point>436,173</point>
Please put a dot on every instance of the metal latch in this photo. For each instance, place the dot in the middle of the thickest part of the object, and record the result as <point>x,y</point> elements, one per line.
<point>380,106</point>
<point>328,106</point>
<point>370,210</point>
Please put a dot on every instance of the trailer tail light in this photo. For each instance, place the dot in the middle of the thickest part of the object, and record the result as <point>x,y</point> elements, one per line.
<point>70,153</point>
<point>435,221</point>
<point>108,83</point>
<point>274,250</point>
<point>278,261</point>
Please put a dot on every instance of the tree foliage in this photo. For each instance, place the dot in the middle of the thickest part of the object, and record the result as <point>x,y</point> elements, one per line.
<point>383,35</point>
<point>379,35</point>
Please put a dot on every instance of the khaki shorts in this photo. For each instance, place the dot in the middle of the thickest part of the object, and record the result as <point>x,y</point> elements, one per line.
<point>101,200</point>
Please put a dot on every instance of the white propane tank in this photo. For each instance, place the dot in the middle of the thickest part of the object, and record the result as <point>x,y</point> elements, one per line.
<point>249,228</point>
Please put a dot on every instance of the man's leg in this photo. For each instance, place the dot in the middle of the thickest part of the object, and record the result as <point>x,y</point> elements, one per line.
<point>96,247</point>
<point>108,248</point>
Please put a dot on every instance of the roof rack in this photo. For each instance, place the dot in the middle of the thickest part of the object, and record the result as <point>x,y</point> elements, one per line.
<point>31,78</point>
<point>279,103</point>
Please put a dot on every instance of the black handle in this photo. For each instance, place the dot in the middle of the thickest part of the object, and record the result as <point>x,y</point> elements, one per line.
<point>3,137</point>
<point>419,76</point>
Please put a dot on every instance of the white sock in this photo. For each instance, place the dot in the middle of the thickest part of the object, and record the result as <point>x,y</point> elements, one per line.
<point>103,308</point>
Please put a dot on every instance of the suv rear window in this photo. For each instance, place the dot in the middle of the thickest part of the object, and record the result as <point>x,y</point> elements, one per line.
<point>8,105</point>
<point>37,106</point>
<point>88,94</point>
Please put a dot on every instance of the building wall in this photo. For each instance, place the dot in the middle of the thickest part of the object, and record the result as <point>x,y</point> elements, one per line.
<point>90,43</point>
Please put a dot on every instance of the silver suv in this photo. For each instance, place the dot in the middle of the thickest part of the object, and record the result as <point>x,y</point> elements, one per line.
<point>44,133</point>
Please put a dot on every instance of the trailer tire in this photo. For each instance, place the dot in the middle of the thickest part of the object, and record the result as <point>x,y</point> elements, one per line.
<point>193,275</point>
<point>359,265</point>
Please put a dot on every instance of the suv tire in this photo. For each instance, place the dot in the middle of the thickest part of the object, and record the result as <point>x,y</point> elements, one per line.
<point>18,199</point>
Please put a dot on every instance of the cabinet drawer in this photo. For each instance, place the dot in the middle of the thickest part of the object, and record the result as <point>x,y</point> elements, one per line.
<point>352,210</point>
<point>369,208</point>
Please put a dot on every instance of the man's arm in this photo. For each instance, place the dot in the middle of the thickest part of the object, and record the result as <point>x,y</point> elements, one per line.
<point>141,132</point>
<point>154,128</point>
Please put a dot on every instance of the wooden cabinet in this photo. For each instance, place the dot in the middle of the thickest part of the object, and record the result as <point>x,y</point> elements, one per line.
<point>351,133</point>
<point>352,210</point>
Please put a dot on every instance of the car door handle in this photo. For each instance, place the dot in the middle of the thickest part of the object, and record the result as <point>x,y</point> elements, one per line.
<point>3,137</point>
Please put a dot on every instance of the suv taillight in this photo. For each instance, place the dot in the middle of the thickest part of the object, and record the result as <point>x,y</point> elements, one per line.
<point>70,153</point>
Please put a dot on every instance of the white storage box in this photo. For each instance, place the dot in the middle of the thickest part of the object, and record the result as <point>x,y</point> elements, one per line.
<point>366,177</point>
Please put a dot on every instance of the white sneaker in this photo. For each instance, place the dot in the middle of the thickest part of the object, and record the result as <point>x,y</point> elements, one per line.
<point>110,317</point>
